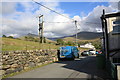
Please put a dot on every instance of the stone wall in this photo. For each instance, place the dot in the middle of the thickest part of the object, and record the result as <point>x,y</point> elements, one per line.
<point>17,61</point>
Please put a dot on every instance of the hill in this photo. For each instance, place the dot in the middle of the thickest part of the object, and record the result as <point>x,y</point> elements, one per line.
<point>9,44</point>
<point>88,35</point>
<point>82,36</point>
<point>34,37</point>
<point>71,39</point>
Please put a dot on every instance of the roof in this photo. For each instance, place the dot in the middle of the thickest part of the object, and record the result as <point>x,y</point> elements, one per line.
<point>112,15</point>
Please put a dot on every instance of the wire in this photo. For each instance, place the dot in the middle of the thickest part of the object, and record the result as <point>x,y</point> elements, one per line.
<point>92,23</point>
<point>52,10</point>
<point>56,22</point>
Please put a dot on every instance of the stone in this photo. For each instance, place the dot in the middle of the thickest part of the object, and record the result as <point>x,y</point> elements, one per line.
<point>31,64</point>
<point>2,72</point>
<point>19,63</point>
<point>16,61</point>
<point>4,67</point>
<point>10,62</point>
<point>18,69</point>
<point>46,62</point>
<point>26,68</point>
<point>11,70</point>
<point>16,58</point>
<point>37,54</point>
<point>4,63</point>
<point>14,65</point>
<point>39,64</point>
<point>0,67</point>
<point>26,65</point>
<point>5,56</point>
<point>5,53</point>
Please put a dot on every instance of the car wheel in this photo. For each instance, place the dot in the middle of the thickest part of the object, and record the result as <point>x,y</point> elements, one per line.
<point>58,55</point>
<point>78,56</point>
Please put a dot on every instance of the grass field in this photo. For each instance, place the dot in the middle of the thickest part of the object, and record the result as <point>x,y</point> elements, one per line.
<point>16,44</point>
<point>9,44</point>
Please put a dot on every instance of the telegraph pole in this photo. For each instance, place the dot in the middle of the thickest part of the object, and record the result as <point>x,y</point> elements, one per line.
<point>76,33</point>
<point>41,28</point>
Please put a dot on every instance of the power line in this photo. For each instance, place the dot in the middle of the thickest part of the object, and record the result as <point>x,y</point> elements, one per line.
<point>52,10</point>
<point>92,23</point>
<point>77,23</point>
<point>56,22</point>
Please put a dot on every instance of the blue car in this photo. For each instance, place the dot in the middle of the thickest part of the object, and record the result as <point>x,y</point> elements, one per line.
<point>68,52</point>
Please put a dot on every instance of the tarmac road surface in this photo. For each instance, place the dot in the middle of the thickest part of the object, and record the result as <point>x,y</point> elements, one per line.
<point>84,67</point>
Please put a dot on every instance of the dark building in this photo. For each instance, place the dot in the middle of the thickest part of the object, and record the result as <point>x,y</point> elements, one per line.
<point>111,38</point>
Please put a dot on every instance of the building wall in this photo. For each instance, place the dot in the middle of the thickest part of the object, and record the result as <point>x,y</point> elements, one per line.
<point>114,39</point>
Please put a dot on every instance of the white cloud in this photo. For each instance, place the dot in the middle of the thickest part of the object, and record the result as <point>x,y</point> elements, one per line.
<point>7,7</point>
<point>22,22</point>
<point>92,21</point>
<point>115,5</point>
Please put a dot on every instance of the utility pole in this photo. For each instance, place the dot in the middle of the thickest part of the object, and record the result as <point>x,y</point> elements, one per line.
<point>41,28</point>
<point>76,33</point>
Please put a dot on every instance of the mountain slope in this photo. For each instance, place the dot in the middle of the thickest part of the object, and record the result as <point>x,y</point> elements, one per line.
<point>31,35</point>
<point>82,36</point>
<point>88,35</point>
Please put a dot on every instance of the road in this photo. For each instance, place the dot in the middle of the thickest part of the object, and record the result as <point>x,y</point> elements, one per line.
<point>84,67</point>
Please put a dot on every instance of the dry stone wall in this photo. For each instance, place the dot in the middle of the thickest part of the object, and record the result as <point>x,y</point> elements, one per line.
<point>17,61</point>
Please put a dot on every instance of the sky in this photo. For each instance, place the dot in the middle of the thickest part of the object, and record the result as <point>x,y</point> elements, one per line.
<point>76,8</point>
<point>21,18</point>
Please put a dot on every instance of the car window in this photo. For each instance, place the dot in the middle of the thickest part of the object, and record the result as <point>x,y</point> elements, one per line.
<point>91,50</point>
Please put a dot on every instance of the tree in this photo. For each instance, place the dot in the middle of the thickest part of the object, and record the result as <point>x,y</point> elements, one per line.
<point>44,40</point>
<point>29,38</point>
<point>60,41</point>
<point>36,40</point>
<point>70,43</point>
<point>10,37</point>
<point>4,36</point>
<point>26,38</point>
<point>97,44</point>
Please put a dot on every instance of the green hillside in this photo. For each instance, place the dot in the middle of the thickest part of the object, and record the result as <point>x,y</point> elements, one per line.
<point>96,42</point>
<point>9,44</point>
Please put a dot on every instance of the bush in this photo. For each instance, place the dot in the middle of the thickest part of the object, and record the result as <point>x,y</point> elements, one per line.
<point>70,43</point>
<point>44,40</point>
<point>97,44</point>
<point>4,36</point>
<point>60,42</point>
<point>10,37</point>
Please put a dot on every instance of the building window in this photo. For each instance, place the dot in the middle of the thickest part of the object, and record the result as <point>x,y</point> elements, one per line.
<point>116,27</point>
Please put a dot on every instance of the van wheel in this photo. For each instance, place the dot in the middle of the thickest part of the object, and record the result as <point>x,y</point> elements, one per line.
<point>73,57</point>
